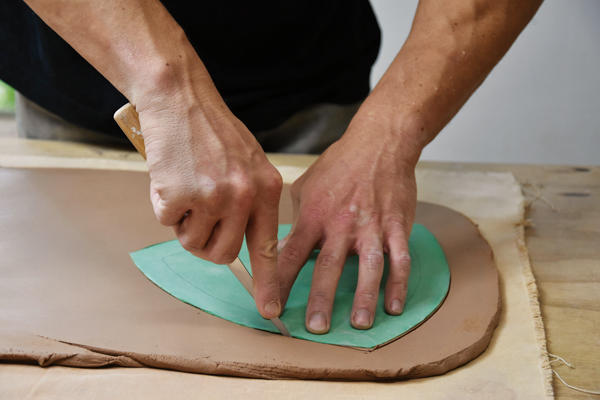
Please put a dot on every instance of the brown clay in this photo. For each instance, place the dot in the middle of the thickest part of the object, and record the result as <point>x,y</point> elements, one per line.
<point>70,294</point>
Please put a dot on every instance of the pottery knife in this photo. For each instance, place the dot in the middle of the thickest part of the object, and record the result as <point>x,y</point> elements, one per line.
<point>128,120</point>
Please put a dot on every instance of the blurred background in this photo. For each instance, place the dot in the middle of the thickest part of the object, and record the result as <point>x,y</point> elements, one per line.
<point>7,99</point>
<point>8,126</point>
<point>541,104</point>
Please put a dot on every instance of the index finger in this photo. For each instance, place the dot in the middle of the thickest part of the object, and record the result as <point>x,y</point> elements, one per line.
<point>261,238</point>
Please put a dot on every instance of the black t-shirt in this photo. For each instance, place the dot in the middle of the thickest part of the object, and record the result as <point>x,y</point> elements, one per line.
<point>268,59</point>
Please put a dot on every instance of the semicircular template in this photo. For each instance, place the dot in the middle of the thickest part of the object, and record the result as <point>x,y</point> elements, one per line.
<point>215,290</point>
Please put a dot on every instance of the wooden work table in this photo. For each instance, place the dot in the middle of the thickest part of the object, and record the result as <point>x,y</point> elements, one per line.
<point>562,235</point>
<point>563,239</point>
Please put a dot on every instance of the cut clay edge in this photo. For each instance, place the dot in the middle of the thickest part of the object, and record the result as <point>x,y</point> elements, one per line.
<point>68,356</point>
<point>269,371</point>
<point>245,370</point>
<point>379,346</point>
<point>91,356</point>
<point>105,357</point>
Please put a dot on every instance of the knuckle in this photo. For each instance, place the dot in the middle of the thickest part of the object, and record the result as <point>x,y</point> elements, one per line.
<point>219,256</point>
<point>398,285</point>
<point>397,223</point>
<point>165,221</point>
<point>290,254</point>
<point>244,191</point>
<point>203,188</point>
<point>373,260</point>
<point>274,183</point>
<point>268,249</point>
<point>354,216</point>
<point>185,189</point>
<point>167,215</point>
<point>401,261</point>
<point>190,245</point>
<point>329,260</point>
<point>366,295</point>
<point>166,193</point>
<point>366,219</point>
<point>346,217</point>
<point>401,286</point>
<point>221,259</point>
<point>313,215</point>
<point>162,217</point>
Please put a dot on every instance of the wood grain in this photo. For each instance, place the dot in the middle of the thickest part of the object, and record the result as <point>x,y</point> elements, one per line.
<point>564,248</point>
<point>128,120</point>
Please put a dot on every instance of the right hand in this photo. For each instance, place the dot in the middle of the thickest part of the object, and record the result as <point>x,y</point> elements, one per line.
<point>203,161</point>
<point>212,182</point>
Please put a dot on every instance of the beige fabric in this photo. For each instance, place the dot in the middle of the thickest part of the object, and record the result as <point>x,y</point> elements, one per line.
<point>514,366</point>
<point>517,354</point>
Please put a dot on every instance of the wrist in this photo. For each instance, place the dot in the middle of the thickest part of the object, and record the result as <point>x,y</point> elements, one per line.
<point>395,130</point>
<point>174,76</point>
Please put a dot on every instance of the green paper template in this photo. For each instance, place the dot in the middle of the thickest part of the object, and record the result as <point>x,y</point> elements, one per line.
<point>214,289</point>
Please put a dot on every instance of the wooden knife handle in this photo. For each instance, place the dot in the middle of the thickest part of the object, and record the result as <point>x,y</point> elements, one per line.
<point>129,121</point>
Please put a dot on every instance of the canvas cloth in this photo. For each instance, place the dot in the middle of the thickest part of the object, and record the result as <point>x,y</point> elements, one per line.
<point>514,365</point>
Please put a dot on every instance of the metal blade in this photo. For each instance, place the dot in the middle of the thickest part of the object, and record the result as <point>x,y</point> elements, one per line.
<point>242,275</point>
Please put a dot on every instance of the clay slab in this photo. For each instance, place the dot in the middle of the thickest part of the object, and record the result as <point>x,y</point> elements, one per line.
<point>66,276</point>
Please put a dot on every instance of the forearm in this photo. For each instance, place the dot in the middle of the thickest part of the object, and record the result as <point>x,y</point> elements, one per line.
<point>135,44</point>
<point>451,48</point>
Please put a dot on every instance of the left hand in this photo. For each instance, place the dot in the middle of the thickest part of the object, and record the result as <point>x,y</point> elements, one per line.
<point>359,197</point>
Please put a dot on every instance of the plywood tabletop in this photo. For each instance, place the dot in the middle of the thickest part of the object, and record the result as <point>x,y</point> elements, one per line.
<point>563,239</point>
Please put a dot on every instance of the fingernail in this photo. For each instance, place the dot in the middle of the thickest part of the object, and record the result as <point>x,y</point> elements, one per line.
<point>272,309</point>
<point>396,307</point>
<point>317,324</point>
<point>362,319</point>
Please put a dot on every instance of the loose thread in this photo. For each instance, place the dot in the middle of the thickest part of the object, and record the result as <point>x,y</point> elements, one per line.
<point>557,358</point>
<point>534,306</point>
<point>537,195</point>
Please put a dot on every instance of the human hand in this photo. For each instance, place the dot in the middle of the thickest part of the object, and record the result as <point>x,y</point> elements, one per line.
<point>211,181</point>
<point>359,197</point>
